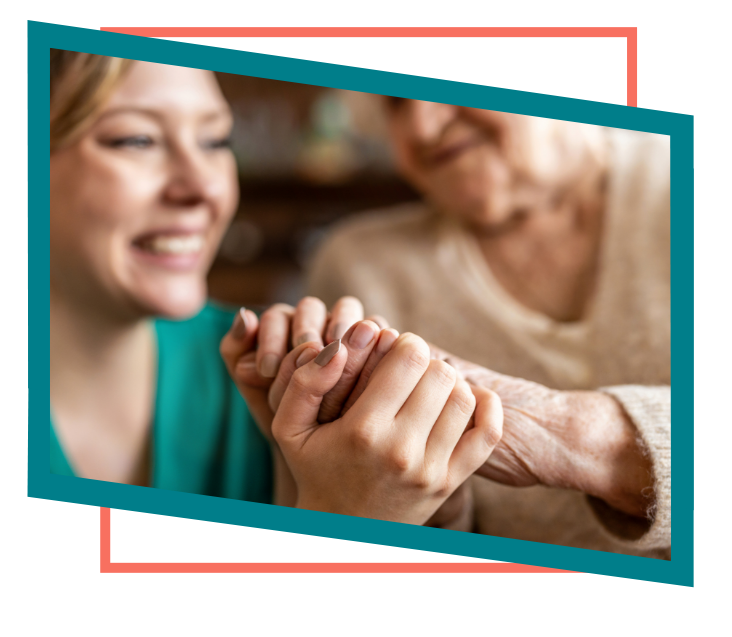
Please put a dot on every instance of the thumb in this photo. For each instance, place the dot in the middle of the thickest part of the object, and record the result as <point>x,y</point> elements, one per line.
<point>298,410</point>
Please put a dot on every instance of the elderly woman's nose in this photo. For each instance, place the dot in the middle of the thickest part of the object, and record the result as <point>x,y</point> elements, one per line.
<point>192,180</point>
<point>427,120</point>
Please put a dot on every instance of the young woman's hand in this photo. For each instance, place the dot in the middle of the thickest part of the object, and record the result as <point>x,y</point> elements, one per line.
<point>401,449</point>
<point>253,348</point>
<point>456,513</point>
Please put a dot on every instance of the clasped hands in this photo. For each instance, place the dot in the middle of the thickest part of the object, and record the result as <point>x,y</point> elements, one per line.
<point>386,426</point>
<point>366,422</point>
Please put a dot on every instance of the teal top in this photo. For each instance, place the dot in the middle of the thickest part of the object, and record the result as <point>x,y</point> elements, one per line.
<point>205,440</point>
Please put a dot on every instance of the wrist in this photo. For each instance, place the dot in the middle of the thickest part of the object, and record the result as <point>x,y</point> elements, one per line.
<point>285,488</point>
<point>614,465</point>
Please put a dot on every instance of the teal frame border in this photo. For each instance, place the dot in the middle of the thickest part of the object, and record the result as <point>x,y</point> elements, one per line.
<point>43,484</point>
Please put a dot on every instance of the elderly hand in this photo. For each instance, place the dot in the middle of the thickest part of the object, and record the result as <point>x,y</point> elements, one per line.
<point>579,440</point>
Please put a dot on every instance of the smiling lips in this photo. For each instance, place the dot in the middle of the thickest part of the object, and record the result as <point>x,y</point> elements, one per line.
<point>173,245</point>
<point>179,251</point>
<point>447,153</point>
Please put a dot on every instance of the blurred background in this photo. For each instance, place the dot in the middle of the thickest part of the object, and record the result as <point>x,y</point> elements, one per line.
<point>308,157</point>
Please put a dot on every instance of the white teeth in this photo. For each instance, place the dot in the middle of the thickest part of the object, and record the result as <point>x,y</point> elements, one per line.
<point>177,245</point>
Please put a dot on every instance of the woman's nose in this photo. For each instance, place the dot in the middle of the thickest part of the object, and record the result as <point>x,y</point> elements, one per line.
<point>192,182</point>
<point>426,120</point>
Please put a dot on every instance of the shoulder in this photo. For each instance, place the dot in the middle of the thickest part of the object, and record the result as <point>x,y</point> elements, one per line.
<point>641,161</point>
<point>640,182</point>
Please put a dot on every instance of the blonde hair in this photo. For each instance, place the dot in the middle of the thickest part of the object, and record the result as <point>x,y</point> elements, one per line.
<point>81,83</point>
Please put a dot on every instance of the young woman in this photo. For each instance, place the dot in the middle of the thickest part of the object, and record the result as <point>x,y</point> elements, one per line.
<point>143,185</point>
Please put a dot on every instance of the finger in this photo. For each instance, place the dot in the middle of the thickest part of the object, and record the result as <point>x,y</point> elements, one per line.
<point>450,425</point>
<point>240,338</point>
<point>298,410</point>
<point>274,331</point>
<point>422,410</point>
<point>393,380</point>
<point>294,360</point>
<point>478,442</point>
<point>345,313</point>
<point>379,320</point>
<point>359,340</point>
<point>308,323</point>
<point>387,338</point>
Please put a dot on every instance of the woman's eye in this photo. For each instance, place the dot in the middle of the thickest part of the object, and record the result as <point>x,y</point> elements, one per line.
<point>134,141</point>
<point>217,144</point>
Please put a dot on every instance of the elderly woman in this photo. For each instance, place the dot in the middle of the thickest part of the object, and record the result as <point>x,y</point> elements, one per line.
<point>143,186</point>
<point>541,255</point>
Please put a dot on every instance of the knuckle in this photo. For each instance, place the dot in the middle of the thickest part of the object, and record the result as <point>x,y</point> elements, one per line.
<point>424,480</point>
<point>399,460</point>
<point>493,435</point>
<point>302,390</point>
<point>464,400</point>
<point>278,308</point>
<point>269,313</point>
<point>349,300</point>
<point>311,303</point>
<point>443,373</point>
<point>363,438</point>
<point>443,490</point>
<point>416,351</point>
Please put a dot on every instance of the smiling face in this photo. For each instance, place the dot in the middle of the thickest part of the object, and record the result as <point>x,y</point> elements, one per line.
<point>140,202</point>
<point>486,166</point>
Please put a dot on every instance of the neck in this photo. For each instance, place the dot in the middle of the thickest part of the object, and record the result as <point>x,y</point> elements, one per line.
<point>546,256</point>
<point>94,355</point>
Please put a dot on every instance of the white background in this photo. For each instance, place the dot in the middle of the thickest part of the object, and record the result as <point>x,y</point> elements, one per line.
<point>686,84</point>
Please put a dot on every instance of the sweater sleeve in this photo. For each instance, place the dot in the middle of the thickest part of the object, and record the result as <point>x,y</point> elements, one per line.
<point>649,408</point>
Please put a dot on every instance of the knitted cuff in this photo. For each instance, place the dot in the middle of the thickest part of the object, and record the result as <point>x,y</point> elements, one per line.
<point>650,410</point>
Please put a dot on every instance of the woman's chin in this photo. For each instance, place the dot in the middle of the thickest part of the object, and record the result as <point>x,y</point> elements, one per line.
<point>175,302</point>
<point>478,211</point>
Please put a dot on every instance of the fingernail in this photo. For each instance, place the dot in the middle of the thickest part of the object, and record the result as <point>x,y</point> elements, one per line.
<point>328,353</point>
<point>307,338</point>
<point>339,329</point>
<point>361,336</point>
<point>268,366</point>
<point>239,328</point>
<point>305,357</point>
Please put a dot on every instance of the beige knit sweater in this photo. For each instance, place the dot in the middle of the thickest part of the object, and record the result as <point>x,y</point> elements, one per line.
<point>426,275</point>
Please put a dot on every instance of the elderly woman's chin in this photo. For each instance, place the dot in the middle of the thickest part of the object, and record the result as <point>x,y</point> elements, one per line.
<point>481,211</point>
